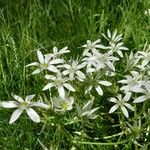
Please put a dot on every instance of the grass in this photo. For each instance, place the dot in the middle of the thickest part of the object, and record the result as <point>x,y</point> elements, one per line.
<point>26,26</point>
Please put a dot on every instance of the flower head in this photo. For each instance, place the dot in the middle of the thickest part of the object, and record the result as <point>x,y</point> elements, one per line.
<point>73,71</point>
<point>122,103</point>
<point>58,82</point>
<point>146,93</point>
<point>87,110</point>
<point>22,105</point>
<point>45,63</point>
<point>63,104</point>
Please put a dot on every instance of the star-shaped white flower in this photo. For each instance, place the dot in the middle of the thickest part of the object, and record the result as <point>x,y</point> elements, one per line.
<point>114,42</point>
<point>57,53</point>
<point>87,110</point>
<point>97,86</point>
<point>146,93</point>
<point>122,103</point>
<point>22,105</point>
<point>105,60</point>
<point>114,38</point>
<point>63,104</point>
<point>58,82</point>
<point>45,63</point>
<point>132,83</point>
<point>74,71</point>
<point>93,46</point>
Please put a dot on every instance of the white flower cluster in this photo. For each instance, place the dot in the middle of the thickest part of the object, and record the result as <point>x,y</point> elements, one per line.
<point>96,66</point>
<point>137,81</point>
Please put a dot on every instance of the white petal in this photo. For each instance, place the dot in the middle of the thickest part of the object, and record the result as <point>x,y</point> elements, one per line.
<point>127,96</point>
<point>55,50</point>
<point>61,91</point>
<point>106,83</point>
<point>120,53</point>
<point>40,104</point>
<point>81,74</point>
<point>65,72</point>
<point>114,100</point>
<point>56,61</point>
<point>87,106</point>
<point>145,62</point>
<point>18,98</point>
<point>125,112</point>
<point>48,86</point>
<point>69,87</point>
<point>129,106</point>
<point>9,104</point>
<point>113,108</point>
<point>140,99</point>
<point>40,57</point>
<point>16,114</point>
<point>110,65</point>
<point>52,68</point>
<point>29,97</point>
<point>48,77</point>
<point>33,64</point>
<point>123,81</point>
<point>33,115</point>
<point>37,71</point>
<point>99,90</point>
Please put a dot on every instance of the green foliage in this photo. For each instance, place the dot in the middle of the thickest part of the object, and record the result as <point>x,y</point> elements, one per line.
<point>28,25</point>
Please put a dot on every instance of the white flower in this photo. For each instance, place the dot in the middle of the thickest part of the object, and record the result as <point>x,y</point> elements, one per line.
<point>115,45</point>
<point>145,56</point>
<point>122,103</point>
<point>98,61</point>
<point>147,12</point>
<point>91,63</point>
<point>87,110</point>
<point>59,82</point>
<point>63,104</point>
<point>132,60</point>
<point>105,60</point>
<point>113,38</point>
<point>45,62</point>
<point>93,46</point>
<point>146,92</point>
<point>57,53</point>
<point>74,71</point>
<point>98,87</point>
<point>132,83</point>
<point>22,105</point>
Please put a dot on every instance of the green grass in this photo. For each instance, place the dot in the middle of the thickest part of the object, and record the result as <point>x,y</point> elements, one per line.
<point>28,25</point>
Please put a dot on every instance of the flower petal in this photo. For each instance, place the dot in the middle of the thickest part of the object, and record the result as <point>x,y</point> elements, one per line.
<point>61,91</point>
<point>9,104</point>
<point>48,86</point>
<point>52,68</point>
<point>125,112</point>
<point>29,97</point>
<point>33,115</point>
<point>99,90</point>
<point>81,74</point>
<point>16,114</point>
<point>18,98</point>
<point>40,104</point>
<point>40,57</point>
<point>69,87</point>
<point>129,106</point>
<point>33,64</point>
<point>113,108</point>
<point>140,99</point>
<point>37,71</point>
<point>106,83</point>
